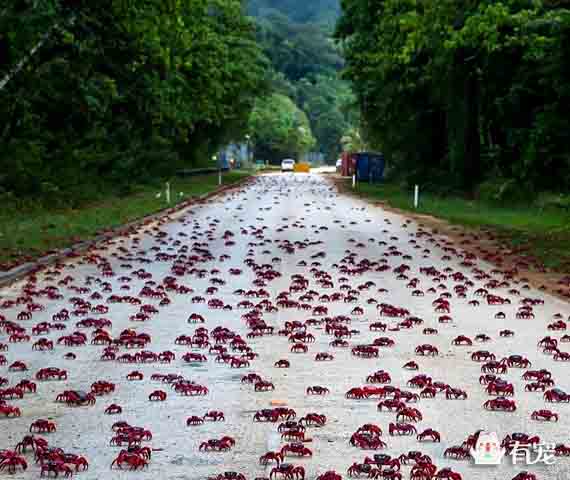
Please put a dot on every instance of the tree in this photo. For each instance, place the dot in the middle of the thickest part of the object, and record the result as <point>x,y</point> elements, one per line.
<point>296,37</point>
<point>125,92</point>
<point>460,91</point>
<point>279,129</point>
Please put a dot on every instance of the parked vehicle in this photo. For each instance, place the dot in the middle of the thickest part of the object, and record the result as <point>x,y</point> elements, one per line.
<point>288,165</point>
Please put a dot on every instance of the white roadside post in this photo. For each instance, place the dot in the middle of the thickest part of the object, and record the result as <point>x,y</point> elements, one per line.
<point>354,181</point>
<point>416,196</point>
<point>220,176</point>
<point>168,192</point>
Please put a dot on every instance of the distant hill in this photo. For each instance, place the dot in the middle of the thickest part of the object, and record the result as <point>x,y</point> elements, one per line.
<point>299,11</point>
<point>296,37</point>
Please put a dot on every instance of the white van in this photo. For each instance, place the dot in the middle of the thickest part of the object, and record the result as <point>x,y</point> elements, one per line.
<point>288,165</point>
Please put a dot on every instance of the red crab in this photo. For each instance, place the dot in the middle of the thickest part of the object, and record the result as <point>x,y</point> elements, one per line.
<point>251,378</point>
<point>295,449</point>
<point>457,453</point>
<point>521,439</point>
<point>288,471</point>
<point>9,411</point>
<point>358,469</point>
<point>411,365</point>
<point>132,460</point>
<point>562,450</point>
<point>544,415</point>
<point>42,426</point>
<point>447,474</point>
<point>194,420</point>
<point>427,350</point>
<point>409,414</point>
<point>18,367</point>
<point>525,476</point>
<point>214,416</point>
<point>429,434</point>
<point>370,429</point>
<point>500,387</point>
<point>102,388</point>
<point>517,361</point>
<point>556,396</point>
<point>313,420</point>
<point>462,340</point>
<point>157,396</point>
<point>330,475</point>
<point>482,356</point>
<point>263,386</point>
<point>379,377</point>
<point>401,429</point>
<point>317,390</point>
<point>228,476</point>
<point>76,398</point>
<point>323,357</point>
<point>506,333</point>
<point>114,409</point>
<point>10,461</point>
<point>500,404</point>
<point>455,394</point>
<point>135,375</point>
<point>223,444</point>
<point>276,457</point>
<point>34,443</point>
<point>55,467</point>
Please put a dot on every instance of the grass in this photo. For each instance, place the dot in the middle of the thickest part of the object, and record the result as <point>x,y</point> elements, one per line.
<point>269,168</point>
<point>540,232</point>
<point>37,230</point>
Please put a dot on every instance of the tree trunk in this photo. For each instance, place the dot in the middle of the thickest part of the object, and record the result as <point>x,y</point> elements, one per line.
<point>28,56</point>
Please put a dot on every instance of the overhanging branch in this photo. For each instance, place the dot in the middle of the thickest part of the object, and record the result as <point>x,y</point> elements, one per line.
<point>24,61</point>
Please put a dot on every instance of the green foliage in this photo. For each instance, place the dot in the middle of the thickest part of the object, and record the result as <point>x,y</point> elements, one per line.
<point>297,49</point>
<point>300,11</point>
<point>505,190</point>
<point>120,91</point>
<point>326,100</point>
<point>296,37</point>
<point>464,88</point>
<point>279,128</point>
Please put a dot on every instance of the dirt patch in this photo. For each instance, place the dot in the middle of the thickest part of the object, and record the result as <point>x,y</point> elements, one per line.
<point>483,242</point>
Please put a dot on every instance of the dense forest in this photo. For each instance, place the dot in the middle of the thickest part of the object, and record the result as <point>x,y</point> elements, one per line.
<point>464,95</point>
<point>104,94</point>
<point>313,12</point>
<point>296,37</point>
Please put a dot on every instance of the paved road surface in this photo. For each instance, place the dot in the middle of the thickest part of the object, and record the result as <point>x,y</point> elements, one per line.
<point>306,211</point>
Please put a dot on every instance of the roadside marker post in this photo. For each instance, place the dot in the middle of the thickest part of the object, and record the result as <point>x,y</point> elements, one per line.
<point>220,176</point>
<point>354,181</point>
<point>416,196</point>
<point>168,192</point>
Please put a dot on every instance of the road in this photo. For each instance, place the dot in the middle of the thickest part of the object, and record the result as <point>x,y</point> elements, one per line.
<point>293,225</point>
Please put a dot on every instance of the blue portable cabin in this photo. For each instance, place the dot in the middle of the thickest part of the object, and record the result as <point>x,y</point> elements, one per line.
<point>369,167</point>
